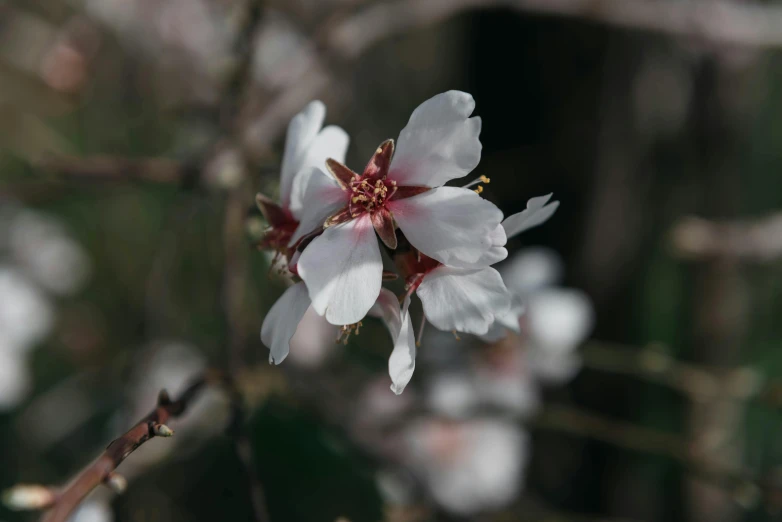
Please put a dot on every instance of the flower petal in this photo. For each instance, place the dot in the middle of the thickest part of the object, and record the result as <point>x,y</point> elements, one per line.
<point>452,225</point>
<point>439,143</point>
<point>463,300</point>
<point>302,130</point>
<point>536,213</point>
<point>323,197</point>
<point>343,271</point>
<point>331,142</point>
<point>497,252</point>
<point>282,320</point>
<point>401,363</point>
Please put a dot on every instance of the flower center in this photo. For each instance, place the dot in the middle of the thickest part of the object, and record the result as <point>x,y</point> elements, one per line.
<point>369,195</point>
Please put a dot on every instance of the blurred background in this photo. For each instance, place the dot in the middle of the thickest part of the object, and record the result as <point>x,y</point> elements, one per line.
<point>645,385</point>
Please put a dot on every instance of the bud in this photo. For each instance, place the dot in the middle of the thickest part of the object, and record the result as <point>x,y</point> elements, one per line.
<point>117,483</point>
<point>161,430</point>
<point>28,496</point>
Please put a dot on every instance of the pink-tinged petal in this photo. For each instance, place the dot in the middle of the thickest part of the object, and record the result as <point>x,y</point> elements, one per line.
<point>302,130</point>
<point>323,197</point>
<point>536,213</point>
<point>408,191</point>
<point>440,142</point>
<point>401,363</point>
<point>452,225</point>
<point>380,161</point>
<point>497,251</point>
<point>274,214</point>
<point>282,321</point>
<point>343,271</point>
<point>331,142</point>
<point>383,222</point>
<point>341,173</point>
<point>463,300</point>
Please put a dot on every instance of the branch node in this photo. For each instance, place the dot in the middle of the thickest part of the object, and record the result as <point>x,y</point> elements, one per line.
<point>28,497</point>
<point>161,430</point>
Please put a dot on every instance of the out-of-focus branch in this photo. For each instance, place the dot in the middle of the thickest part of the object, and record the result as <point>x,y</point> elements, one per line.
<point>737,23</point>
<point>760,240</point>
<point>62,502</point>
<point>565,419</point>
<point>116,168</point>
<point>694,381</point>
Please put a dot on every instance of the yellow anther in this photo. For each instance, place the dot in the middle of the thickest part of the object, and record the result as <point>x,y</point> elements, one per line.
<point>456,335</point>
<point>479,189</point>
<point>484,179</point>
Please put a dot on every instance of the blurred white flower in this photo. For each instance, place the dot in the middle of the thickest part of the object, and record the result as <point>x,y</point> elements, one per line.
<point>504,379</point>
<point>41,246</point>
<point>14,378</point>
<point>532,269</point>
<point>93,510</point>
<point>452,395</point>
<point>558,321</point>
<point>26,316</point>
<point>470,466</point>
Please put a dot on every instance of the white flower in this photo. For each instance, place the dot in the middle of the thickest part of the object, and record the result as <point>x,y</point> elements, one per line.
<point>26,316</point>
<point>452,395</point>
<point>307,145</point>
<point>455,226</point>
<point>470,466</point>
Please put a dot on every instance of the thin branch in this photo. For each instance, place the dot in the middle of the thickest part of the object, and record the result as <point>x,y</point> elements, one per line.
<point>115,168</point>
<point>700,239</point>
<point>67,499</point>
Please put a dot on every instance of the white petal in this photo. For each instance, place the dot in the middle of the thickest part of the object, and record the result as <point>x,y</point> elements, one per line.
<point>302,130</point>
<point>401,363</point>
<point>559,319</point>
<point>504,322</point>
<point>532,269</point>
<point>452,225</point>
<point>497,251</point>
<point>387,308</point>
<point>439,143</point>
<point>322,198</point>
<point>536,213</point>
<point>331,142</point>
<point>463,300</point>
<point>343,271</point>
<point>282,321</point>
<point>26,316</point>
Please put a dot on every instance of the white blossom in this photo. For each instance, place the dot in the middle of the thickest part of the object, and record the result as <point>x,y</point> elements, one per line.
<point>343,267</point>
<point>469,466</point>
